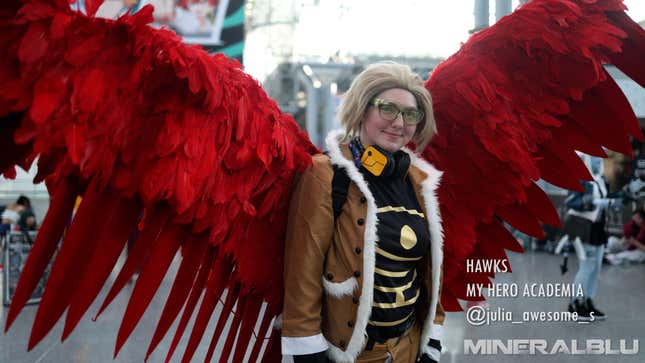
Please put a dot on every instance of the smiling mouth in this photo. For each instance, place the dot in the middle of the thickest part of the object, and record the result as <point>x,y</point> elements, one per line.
<point>391,134</point>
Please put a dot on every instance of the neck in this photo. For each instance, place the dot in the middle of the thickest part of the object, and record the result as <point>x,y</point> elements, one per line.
<point>359,138</point>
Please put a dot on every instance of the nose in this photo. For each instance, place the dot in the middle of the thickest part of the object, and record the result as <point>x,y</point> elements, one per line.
<point>398,121</point>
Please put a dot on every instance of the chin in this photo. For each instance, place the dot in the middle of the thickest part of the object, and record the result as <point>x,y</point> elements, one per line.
<point>391,147</point>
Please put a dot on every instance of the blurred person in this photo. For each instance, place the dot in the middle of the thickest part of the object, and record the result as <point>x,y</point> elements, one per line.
<point>633,229</point>
<point>635,190</point>
<point>630,248</point>
<point>585,220</point>
<point>27,220</point>
<point>11,214</point>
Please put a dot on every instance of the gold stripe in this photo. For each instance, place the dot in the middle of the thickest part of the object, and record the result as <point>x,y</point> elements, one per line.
<point>389,208</point>
<point>390,323</point>
<point>390,273</point>
<point>398,288</point>
<point>395,257</point>
<point>395,305</point>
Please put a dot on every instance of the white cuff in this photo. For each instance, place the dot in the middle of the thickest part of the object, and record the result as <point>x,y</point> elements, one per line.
<point>432,353</point>
<point>436,332</point>
<point>304,345</point>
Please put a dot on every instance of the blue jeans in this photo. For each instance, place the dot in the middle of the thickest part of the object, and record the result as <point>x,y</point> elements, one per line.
<point>589,269</point>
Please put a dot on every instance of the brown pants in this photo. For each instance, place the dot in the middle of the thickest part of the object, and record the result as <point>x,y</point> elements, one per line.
<point>403,349</point>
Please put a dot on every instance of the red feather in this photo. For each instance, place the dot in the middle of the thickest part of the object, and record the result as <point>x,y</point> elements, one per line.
<point>512,106</point>
<point>195,293</point>
<point>149,280</point>
<point>195,250</point>
<point>62,204</point>
<point>91,6</point>
<point>141,117</point>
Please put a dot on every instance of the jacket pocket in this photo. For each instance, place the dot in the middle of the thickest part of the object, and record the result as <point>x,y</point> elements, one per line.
<point>337,280</point>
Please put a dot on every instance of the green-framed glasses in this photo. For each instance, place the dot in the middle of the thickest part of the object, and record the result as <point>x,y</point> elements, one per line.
<point>390,111</point>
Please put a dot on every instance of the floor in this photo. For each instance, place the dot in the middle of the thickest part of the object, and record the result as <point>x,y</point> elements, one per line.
<point>621,295</point>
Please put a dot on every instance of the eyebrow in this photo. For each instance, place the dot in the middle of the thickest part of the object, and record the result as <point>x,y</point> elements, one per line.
<point>402,108</point>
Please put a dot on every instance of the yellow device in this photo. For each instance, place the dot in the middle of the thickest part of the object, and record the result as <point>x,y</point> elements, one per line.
<point>374,161</point>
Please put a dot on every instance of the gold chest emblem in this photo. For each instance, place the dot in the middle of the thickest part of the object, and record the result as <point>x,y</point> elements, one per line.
<point>408,237</point>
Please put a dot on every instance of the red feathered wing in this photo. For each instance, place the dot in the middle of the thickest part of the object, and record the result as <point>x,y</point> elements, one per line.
<point>160,138</point>
<point>511,107</point>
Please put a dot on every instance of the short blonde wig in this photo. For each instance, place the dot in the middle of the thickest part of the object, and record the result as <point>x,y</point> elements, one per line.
<point>378,78</point>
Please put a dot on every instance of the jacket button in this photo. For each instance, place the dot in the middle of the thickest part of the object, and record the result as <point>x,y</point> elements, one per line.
<point>358,250</point>
<point>355,300</point>
<point>341,344</point>
<point>330,276</point>
<point>350,324</point>
<point>363,199</point>
<point>357,274</point>
<point>360,221</point>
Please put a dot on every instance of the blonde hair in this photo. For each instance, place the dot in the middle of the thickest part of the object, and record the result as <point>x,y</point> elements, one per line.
<point>376,79</point>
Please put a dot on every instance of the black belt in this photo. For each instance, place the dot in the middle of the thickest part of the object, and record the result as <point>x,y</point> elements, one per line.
<point>380,336</point>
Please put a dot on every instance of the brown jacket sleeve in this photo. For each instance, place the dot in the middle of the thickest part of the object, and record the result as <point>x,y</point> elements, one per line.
<point>309,235</point>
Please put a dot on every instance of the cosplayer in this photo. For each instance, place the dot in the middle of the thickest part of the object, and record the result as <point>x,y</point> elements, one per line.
<point>586,221</point>
<point>365,285</point>
<point>198,159</point>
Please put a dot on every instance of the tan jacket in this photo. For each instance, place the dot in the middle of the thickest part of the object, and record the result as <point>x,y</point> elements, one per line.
<point>329,267</point>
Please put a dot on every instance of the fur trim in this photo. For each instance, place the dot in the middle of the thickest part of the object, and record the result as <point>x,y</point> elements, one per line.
<point>428,188</point>
<point>436,332</point>
<point>357,339</point>
<point>340,289</point>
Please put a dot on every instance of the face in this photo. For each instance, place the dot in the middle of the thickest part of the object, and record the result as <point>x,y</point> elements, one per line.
<point>390,135</point>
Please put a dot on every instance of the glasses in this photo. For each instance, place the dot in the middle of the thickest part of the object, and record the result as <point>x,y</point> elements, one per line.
<point>390,111</point>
